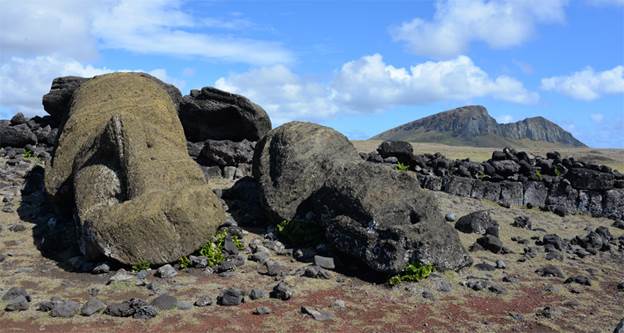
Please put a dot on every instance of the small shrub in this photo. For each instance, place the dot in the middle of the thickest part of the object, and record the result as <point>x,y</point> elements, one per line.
<point>184,262</point>
<point>28,153</point>
<point>538,174</point>
<point>412,273</point>
<point>213,250</point>
<point>557,171</point>
<point>402,167</point>
<point>142,265</point>
<point>301,233</point>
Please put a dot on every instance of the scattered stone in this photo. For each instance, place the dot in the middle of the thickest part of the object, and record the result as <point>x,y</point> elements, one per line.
<point>255,294</point>
<point>282,291</point>
<point>203,301</point>
<point>262,310</point>
<point>46,306</point>
<point>165,302</point>
<point>485,267</point>
<point>522,222</point>
<point>496,289</point>
<point>198,261</point>
<point>166,271</point>
<point>340,304</point>
<point>65,309</point>
<point>579,279</point>
<point>184,305</point>
<point>547,312</point>
<point>620,327</point>
<point>500,264</point>
<point>101,269</point>
<point>16,292</point>
<point>427,295</point>
<point>145,312</point>
<point>272,268</point>
<point>476,284</point>
<point>618,224</point>
<point>324,262</point>
<point>19,303</point>
<point>316,272</point>
<point>17,227</point>
<point>120,275</point>
<point>477,222</point>
<point>92,307</point>
<point>550,271</point>
<point>450,217</point>
<point>316,314</point>
<point>620,286</point>
<point>230,296</point>
<point>491,243</point>
<point>126,308</point>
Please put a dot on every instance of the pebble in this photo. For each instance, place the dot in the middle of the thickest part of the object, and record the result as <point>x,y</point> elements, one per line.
<point>450,217</point>
<point>230,297</point>
<point>262,310</point>
<point>92,306</point>
<point>316,314</point>
<point>166,271</point>
<point>203,301</point>
<point>282,291</point>
<point>65,309</point>
<point>165,302</point>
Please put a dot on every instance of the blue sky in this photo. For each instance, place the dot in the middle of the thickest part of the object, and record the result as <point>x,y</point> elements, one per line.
<point>359,66</point>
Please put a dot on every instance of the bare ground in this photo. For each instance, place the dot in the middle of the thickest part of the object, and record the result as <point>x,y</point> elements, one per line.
<point>370,307</point>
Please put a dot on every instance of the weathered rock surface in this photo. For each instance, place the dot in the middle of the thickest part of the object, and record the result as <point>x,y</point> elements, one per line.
<point>210,113</point>
<point>122,155</point>
<point>308,169</point>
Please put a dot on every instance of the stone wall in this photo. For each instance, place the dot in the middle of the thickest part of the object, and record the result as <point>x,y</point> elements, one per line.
<point>561,185</point>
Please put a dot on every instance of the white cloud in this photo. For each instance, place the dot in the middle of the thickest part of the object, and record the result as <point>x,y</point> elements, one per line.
<point>369,84</point>
<point>76,29</point>
<point>282,93</point>
<point>504,119</point>
<point>161,27</point>
<point>25,80</point>
<point>597,117</point>
<point>457,23</point>
<point>587,84</point>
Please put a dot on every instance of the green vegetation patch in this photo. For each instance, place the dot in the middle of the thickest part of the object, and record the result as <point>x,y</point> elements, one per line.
<point>402,167</point>
<point>184,262</point>
<point>300,233</point>
<point>213,250</point>
<point>142,265</point>
<point>412,273</point>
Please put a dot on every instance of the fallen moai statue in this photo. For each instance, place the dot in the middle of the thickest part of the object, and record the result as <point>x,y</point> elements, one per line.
<point>121,161</point>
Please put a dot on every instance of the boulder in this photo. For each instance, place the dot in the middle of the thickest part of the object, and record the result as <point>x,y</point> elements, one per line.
<point>309,170</point>
<point>562,199</point>
<point>587,179</point>
<point>210,113</point>
<point>226,152</point>
<point>122,156</point>
<point>402,150</point>
<point>511,193</point>
<point>477,222</point>
<point>293,161</point>
<point>17,136</point>
<point>535,194</point>
<point>459,186</point>
<point>485,190</point>
<point>58,100</point>
<point>613,204</point>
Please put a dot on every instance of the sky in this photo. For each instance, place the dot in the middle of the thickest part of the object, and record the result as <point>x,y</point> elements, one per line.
<point>361,67</point>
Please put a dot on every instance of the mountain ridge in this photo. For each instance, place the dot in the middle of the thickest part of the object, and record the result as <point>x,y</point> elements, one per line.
<point>473,126</point>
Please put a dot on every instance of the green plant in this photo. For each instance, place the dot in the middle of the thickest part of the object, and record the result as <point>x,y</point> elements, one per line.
<point>184,262</point>
<point>300,233</point>
<point>412,273</point>
<point>142,265</point>
<point>557,171</point>
<point>28,153</point>
<point>213,250</point>
<point>538,174</point>
<point>402,167</point>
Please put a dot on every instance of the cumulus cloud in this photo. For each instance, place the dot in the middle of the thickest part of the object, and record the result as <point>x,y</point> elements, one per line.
<point>457,23</point>
<point>587,84</point>
<point>282,93</point>
<point>368,84</point>
<point>25,80</point>
<point>76,29</point>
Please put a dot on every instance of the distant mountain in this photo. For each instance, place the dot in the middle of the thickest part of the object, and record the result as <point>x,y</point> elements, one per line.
<point>473,126</point>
